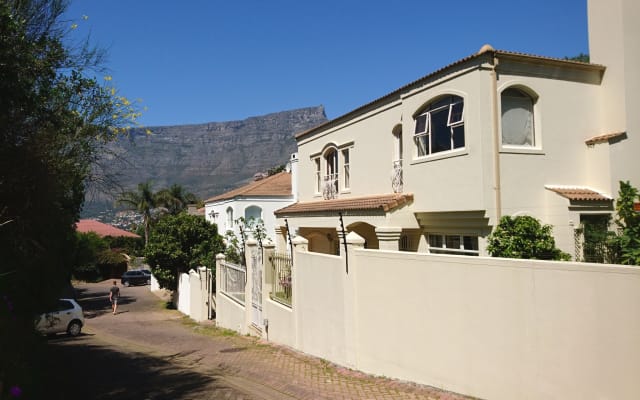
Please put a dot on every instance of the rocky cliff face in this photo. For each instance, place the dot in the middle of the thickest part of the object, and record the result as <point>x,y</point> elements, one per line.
<point>208,159</point>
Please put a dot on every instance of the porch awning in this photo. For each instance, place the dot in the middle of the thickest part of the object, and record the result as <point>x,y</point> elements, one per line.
<point>577,193</point>
<point>383,203</point>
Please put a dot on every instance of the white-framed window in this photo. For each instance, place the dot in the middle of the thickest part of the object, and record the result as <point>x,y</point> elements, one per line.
<point>318,175</point>
<point>518,124</point>
<point>253,212</point>
<point>453,244</point>
<point>229,218</point>
<point>440,126</point>
<point>346,180</point>
<point>331,176</point>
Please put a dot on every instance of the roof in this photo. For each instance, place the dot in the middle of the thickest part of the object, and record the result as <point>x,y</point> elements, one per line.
<point>278,185</point>
<point>385,202</point>
<point>604,138</point>
<point>485,52</point>
<point>579,193</point>
<point>101,229</point>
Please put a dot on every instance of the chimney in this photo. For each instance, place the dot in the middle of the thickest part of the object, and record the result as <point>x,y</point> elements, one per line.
<point>294,175</point>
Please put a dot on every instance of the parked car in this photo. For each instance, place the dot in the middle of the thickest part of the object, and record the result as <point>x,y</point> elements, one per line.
<point>135,277</point>
<point>66,317</point>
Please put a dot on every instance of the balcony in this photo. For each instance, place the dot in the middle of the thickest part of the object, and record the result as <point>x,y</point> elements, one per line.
<point>396,177</point>
<point>330,187</point>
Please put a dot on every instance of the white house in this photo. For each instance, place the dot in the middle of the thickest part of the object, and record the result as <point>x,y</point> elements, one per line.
<point>258,200</point>
<point>434,165</point>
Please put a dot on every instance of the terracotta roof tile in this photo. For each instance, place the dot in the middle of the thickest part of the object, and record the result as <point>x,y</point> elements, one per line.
<point>101,229</point>
<point>604,138</point>
<point>579,193</point>
<point>385,202</point>
<point>274,185</point>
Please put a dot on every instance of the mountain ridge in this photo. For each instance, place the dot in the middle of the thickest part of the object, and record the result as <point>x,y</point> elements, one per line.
<point>206,158</point>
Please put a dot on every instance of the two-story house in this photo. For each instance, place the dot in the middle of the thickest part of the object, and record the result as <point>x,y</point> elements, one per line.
<point>255,201</point>
<point>432,166</point>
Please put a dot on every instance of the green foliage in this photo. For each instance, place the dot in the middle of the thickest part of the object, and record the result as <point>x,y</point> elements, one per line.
<point>277,169</point>
<point>129,245</point>
<point>179,243</point>
<point>600,244</point>
<point>54,122</point>
<point>524,237</point>
<point>175,199</point>
<point>628,220</point>
<point>143,200</point>
<point>580,57</point>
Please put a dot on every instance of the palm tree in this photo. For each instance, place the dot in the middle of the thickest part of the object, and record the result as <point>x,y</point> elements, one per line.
<point>175,199</point>
<point>144,200</point>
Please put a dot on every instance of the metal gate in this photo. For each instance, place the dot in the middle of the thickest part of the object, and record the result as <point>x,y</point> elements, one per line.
<point>256,289</point>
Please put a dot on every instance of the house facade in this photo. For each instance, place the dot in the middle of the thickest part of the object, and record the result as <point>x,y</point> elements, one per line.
<point>257,200</point>
<point>434,165</point>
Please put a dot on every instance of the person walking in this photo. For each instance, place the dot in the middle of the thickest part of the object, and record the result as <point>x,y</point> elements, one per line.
<point>114,295</point>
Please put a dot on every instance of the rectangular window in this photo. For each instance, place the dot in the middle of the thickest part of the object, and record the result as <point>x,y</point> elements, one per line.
<point>421,135</point>
<point>318,175</point>
<point>453,244</point>
<point>345,163</point>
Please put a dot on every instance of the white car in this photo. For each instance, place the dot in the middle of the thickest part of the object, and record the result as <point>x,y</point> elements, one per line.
<point>67,317</point>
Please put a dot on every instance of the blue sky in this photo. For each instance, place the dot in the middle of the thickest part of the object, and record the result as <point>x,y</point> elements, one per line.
<point>199,61</point>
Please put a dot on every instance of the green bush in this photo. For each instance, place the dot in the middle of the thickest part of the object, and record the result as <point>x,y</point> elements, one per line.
<point>524,237</point>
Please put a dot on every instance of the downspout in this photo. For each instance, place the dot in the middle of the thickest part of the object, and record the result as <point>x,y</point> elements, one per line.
<point>496,138</point>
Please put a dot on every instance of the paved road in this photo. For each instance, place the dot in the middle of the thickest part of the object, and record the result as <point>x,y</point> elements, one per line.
<point>148,352</point>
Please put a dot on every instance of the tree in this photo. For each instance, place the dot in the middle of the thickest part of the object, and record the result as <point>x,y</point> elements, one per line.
<point>524,237</point>
<point>580,57</point>
<point>144,200</point>
<point>179,243</point>
<point>55,119</point>
<point>628,220</point>
<point>175,199</point>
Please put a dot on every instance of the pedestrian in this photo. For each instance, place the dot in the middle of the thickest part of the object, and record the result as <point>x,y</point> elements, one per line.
<point>114,295</point>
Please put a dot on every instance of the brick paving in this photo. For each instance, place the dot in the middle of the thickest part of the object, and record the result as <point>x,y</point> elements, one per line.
<point>243,367</point>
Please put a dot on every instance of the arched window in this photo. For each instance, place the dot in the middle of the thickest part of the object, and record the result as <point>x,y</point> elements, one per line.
<point>517,118</point>
<point>440,126</point>
<point>253,212</point>
<point>330,189</point>
<point>229,218</point>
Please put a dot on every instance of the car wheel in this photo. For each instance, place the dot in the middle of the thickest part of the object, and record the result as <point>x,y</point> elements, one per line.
<point>74,328</point>
<point>127,283</point>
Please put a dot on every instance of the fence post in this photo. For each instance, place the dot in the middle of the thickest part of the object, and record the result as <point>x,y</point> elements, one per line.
<point>250,246</point>
<point>389,237</point>
<point>220,272</point>
<point>351,334</point>
<point>267,274</point>
<point>300,245</point>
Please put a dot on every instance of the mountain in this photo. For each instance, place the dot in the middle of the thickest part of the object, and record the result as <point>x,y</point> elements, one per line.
<point>206,159</point>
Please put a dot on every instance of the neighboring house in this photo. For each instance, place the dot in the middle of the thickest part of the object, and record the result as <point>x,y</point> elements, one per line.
<point>258,200</point>
<point>432,166</point>
<point>102,229</point>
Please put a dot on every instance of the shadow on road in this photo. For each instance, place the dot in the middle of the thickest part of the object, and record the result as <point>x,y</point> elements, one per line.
<point>79,369</point>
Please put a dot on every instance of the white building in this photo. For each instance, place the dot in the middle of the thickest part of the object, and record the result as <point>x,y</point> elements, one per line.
<point>432,166</point>
<point>257,200</point>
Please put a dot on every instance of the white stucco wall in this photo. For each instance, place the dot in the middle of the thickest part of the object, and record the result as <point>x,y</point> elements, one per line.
<point>239,205</point>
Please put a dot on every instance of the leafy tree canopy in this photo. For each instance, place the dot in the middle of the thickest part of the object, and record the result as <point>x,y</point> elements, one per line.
<point>179,243</point>
<point>55,119</point>
<point>524,237</point>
